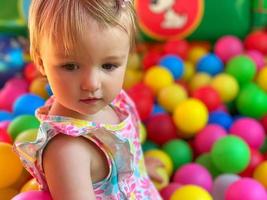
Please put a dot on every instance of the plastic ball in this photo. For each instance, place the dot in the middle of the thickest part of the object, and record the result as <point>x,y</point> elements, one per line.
<point>27,104</point>
<point>157,109</point>
<point>4,136</point>
<point>251,96</point>
<point>37,87</point>
<point>149,145</point>
<point>245,187</point>
<point>22,123</point>
<point>255,159</point>
<point>196,53</point>
<point>209,96</point>
<point>257,40</point>
<point>33,195</point>
<point>190,116</point>
<point>260,173</point>
<point>6,116</point>
<point>28,135</point>
<point>170,96</point>
<point>14,58</point>
<point>262,78</point>
<point>179,151</point>
<point>194,174</point>
<point>221,118</point>
<point>167,191</point>
<point>161,129</point>
<point>133,61</point>
<point>163,157</point>
<point>142,132</point>
<point>263,122</point>
<point>191,192</point>
<point>206,161</point>
<point>178,47</point>
<point>227,47</point>
<point>174,64</point>
<point>199,80</point>
<point>11,167</point>
<point>162,172</point>
<point>132,77</point>
<point>151,58</point>
<point>189,71</point>
<point>249,130</point>
<point>30,186</point>
<point>226,85</point>
<point>221,184</point>
<point>242,68</point>
<point>230,154</point>
<point>31,72</point>
<point>157,78</point>
<point>8,193</point>
<point>210,64</point>
<point>257,57</point>
<point>207,137</point>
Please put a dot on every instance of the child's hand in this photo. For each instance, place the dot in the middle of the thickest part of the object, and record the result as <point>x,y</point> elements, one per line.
<point>152,164</point>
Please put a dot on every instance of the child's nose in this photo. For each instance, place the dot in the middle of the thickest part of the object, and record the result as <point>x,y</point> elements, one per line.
<point>91,81</point>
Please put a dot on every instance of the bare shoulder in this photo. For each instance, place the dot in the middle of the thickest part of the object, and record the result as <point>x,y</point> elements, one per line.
<point>67,164</point>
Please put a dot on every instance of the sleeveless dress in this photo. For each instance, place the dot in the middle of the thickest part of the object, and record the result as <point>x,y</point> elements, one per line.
<point>127,177</point>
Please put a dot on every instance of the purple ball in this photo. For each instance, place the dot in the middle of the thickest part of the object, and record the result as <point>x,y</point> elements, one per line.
<point>207,136</point>
<point>249,130</point>
<point>246,189</point>
<point>33,195</point>
<point>195,174</point>
<point>227,47</point>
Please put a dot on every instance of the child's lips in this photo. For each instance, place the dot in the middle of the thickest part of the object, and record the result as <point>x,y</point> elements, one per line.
<point>90,100</point>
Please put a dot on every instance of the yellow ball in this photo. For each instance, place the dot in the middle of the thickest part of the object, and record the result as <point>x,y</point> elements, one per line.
<point>191,192</point>
<point>196,53</point>
<point>131,78</point>
<point>30,186</point>
<point>170,96</point>
<point>262,78</point>
<point>163,157</point>
<point>27,136</point>
<point>143,134</point>
<point>226,85</point>
<point>190,116</point>
<point>10,165</point>
<point>260,173</point>
<point>157,78</point>
<point>23,178</point>
<point>189,70</point>
<point>199,80</point>
<point>8,193</point>
<point>134,61</point>
<point>162,172</point>
<point>38,87</point>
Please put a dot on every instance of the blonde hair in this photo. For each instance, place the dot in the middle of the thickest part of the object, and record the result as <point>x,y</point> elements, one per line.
<point>66,20</point>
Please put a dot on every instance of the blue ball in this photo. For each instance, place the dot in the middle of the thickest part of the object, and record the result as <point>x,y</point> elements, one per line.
<point>5,116</point>
<point>27,104</point>
<point>221,118</point>
<point>157,109</point>
<point>210,64</point>
<point>174,64</point>
<point>48,90</point>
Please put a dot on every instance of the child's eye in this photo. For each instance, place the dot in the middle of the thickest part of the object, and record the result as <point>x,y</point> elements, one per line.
<point>109,66</point>
<point>70,67</point>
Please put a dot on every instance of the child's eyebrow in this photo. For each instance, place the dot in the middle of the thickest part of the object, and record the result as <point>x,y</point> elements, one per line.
<point>115,57</point>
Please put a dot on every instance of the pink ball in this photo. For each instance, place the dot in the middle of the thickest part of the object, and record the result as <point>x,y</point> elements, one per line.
<point>207,137</point>
<point>195,174</point>
<point>4,124</point>
<point>246,188</point>
<point>257,57</point>
<point>250,130</point>
<point>263,122</point>
<point>227,47</point>
<point>167,191</point>
<point>33,195</point>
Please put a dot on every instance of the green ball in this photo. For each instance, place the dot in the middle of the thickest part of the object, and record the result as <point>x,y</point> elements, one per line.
<point>149,145</point>
<point>22,123</point>
<point>27,135</point>
<point>242,68</point>
<point>179,151</point>
<point>205,161</point>
<point>230,154</point>
<point>252,101</point>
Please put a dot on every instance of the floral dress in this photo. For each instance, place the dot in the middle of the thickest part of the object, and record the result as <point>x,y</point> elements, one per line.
<point>127,177</point>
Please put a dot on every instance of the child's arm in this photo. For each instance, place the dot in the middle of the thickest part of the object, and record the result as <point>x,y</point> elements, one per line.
<point>67,166</point>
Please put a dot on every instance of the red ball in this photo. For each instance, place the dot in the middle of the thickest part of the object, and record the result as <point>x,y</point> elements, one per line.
<point>161,128</point>
<point>167,191</point>
<point>30,72</point>
<point>257,40</point>
<point>209,96</point>
<point>143,98</point>
<point>4,136</point>
<point>151,59</point>
<point>255,159</point>
<point>263,122</point>
<point>178,47</point>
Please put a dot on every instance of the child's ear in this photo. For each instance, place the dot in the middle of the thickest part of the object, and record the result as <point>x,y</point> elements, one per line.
<point>40,66</point>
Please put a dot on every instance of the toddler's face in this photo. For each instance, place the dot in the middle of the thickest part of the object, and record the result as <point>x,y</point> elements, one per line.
<point>88,79</point>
